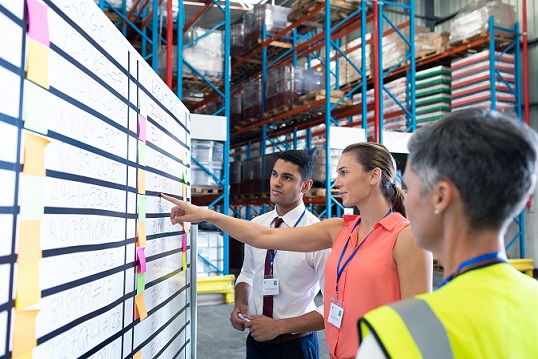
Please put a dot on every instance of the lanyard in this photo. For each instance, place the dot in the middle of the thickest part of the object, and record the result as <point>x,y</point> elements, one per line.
<point>272,252</point>
<point>340,270</point>
<point>499,256</point>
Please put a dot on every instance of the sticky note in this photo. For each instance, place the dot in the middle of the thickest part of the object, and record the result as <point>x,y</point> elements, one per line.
<point>27,286</point>
<point>140,283</point>
<point>29,242</point>
<point>35,109</point>
<point>34,154</point>
<point>38,21</point>
<point>31,197</point>
<point>184,191</point>
<point>183,176</point>
<point>183,242</point>
<point>24,338</point>
<point>141,153</point>
<point>141,181</point>
<point>141,234</point>
<point>141,208</point>
<point>38,63</point>
<point>186,227</point>
<point>27,355</point>
<point>141,306</point>
<point>138,355</point>
<point>141,128</point>
<point>184,260</point>
<point>141,256</point>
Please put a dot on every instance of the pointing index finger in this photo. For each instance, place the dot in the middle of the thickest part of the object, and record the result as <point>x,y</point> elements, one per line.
<point>171,199</point>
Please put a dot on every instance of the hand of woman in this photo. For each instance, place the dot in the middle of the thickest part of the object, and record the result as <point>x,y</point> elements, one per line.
<point>185,211</point>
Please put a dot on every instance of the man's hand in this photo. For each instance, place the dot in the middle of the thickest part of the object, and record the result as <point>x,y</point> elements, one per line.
<point>184,211</point>
<point>263,328</point>
<point>238,323</point>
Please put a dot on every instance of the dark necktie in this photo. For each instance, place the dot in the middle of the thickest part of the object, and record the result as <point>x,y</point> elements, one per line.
<point>268,299</point>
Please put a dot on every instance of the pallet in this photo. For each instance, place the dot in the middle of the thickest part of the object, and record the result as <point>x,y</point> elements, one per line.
<point>314,96</point>
<point>276,111</point>
<point>321,192</point>
<point>204,191</point>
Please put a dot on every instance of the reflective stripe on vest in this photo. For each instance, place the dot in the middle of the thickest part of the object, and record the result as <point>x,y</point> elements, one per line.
<point>426,329</point>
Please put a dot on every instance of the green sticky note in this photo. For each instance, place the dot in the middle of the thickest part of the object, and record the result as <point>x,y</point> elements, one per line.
<point>141,209</point>
<point>140,283</point>
<point>141,153</point>
<point>35,108</point>
<point>183,176</point>
<point>31,197</point>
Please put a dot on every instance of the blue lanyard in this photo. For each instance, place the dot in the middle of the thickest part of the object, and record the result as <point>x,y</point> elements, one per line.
<point>474,261</point>
<point>340,270</point>
<point>272,252</point>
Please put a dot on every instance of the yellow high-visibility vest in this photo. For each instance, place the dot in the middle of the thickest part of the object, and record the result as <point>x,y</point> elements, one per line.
<point>488,312</point>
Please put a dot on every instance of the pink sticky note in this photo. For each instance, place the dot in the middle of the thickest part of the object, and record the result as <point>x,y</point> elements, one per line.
<point>184,242</point>
<point>141,128</point>
<point>141,258</point>
<point>39,23</point>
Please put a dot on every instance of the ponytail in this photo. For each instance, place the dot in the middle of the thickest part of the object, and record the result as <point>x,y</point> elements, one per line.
<point>397,199</point>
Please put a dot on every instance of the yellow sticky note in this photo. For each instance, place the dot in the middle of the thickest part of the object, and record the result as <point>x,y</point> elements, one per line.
<point>138,355</point>
<point>27,286</point>
<point>141,153</point>
<point>38,63</point>
<point>184,260</point>
<point>141,235</point>
<point>34,154</point>
<point>24,338</point>
<point>184,188</point>
<point>31,197</point>
<point>141,306</point>
<point>186,228</point>
<point>29,242</point>
<point>35,108</point>
<point>27,355</point>
<point>141,181</point>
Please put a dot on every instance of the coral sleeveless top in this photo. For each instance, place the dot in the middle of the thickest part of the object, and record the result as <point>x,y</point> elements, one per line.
<point>370,279</point>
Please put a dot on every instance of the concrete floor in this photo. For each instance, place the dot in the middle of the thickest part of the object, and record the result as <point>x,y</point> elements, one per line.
<point>218,340</point>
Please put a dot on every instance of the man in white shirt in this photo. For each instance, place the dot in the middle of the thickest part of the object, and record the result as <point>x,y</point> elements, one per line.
<point>274,294</point>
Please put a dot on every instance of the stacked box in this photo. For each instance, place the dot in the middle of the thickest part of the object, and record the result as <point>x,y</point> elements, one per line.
<point>206,54</point>
<point>274,17</point>
<point>433,98</point>
<point>471,85</point>
<point>252,98</point>
<point>235,177</point>
<point>314,80</point>
<point>395,48</point>
<point>320,160</point>
<point>354,53</point>
<point>211,155</point>
<point>236,108</point>
<point>236,40</point>
<point>251,169</point>
<point>473,19</point>
<point>284,86</point>
<point>211,249</point>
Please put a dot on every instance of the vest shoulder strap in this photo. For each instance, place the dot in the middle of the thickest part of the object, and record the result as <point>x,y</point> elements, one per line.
<point>424,326</point>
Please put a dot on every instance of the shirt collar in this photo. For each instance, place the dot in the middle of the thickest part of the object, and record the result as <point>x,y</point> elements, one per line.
<point>292,216</point>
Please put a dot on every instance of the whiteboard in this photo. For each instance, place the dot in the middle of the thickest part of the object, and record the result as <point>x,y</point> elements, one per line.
<point>90,265</point>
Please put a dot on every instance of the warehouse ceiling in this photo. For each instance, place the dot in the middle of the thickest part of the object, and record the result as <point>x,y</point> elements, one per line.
<point>214,15</point>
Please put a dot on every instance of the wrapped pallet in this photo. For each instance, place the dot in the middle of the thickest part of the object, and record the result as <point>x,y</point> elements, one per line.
<point>395,48</point>
<point>273,17</point>
<point>473,19</point>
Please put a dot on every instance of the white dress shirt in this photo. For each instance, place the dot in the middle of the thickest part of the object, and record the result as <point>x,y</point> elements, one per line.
<point>300,274</point>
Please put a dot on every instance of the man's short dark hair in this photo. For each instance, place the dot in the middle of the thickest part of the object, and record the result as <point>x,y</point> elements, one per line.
<point>302,160</point>
<point>490,157</point>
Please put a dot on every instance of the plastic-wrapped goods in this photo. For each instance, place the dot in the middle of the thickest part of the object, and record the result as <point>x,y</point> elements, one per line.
<point>252,98</point>
<point>251,173</point>
<point>473,19</point>
<point>314,80</point>
<point>236,40</point>
<point>235,177</point>
<point>274,17</point>
<point>284,86</point>
<point>318,155</point>
<point>119,3</point>
<point>236,108</point>
<point>395,48</point>
<point>206,54</point>
<point>207,151</point>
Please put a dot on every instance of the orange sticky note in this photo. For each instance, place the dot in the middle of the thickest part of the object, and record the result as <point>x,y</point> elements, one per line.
<point>27,286</point>
<point>38,63</point>
<point>141,235</point>
<point>141,306</point>
<point>141,181</point>
<point>34,154</point>
<point>184,260</point>
<point>138,355</point>
<point>184,188</point>
<point>29,242</point>
<point>186,228</point>
<point>27,355</point>
<point>24,338</point>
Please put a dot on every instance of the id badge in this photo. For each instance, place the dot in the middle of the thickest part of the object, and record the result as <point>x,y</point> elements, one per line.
<point>270,285</point>
<point>336,312</point>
